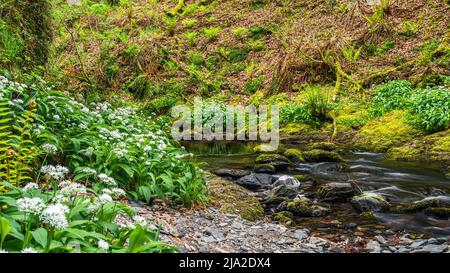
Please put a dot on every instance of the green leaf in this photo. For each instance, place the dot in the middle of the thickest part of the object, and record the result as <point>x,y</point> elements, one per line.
<point>5,229</point>
<point>138,238</point>
<point>40,236</point>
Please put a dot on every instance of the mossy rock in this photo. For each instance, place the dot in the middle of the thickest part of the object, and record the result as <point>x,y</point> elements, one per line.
<point>432,202</point>
<point>231,198</point>
<point>370,202</point>
<point>304,178</point>
<point>336,192</point>
<point>295,129</point>
<point>306,208</point>
<point>385,132</point>
<point>439,212</point>
<point>326,146</point>
<point>264,168</point>
<point>368,215</point>
<point>279,162</point>
<point>317,155</point>
<point>294,155</point>
<point>263,148</point>
<point>403,154</point>
<point>284,217</point>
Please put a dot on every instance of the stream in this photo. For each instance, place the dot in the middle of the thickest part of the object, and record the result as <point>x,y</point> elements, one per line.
<point>398,182</point>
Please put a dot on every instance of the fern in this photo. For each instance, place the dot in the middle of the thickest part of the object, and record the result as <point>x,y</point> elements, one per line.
<point>17,150</point>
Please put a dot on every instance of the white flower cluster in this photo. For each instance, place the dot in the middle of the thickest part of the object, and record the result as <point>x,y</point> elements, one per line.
<point>33,205</point>
<point>114,193</point>
<point>56,172</point>
<point>55,216</point>
<point>29,250</point>
<point>30,187</point>
<point>103,245</point>
<point>109,181</point>
<point>49,148</point>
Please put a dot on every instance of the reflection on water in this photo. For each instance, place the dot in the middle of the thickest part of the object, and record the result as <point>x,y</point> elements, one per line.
<point>397,181</point>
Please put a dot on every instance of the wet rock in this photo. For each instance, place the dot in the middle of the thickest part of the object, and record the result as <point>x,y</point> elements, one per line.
<point>305,208</point>
<point>287,181</point>
<point>417,243</point>
<point>440,213</point>
<point>231,173</point>
<point>264,168</point>
<point>322,156</point>
<point>336,192</point>
<point>369,202</point>
<point>380,239</point>
<point>326,146</point>
<point>294,155</point>
<point>428,202</point>
<point>255,181</point>
<point>279,162</point>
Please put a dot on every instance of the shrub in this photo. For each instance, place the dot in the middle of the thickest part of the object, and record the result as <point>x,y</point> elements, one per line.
<point>391,96</point>
<point>430,109</point>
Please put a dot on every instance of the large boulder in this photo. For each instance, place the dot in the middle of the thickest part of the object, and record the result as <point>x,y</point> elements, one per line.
<point>231,174</point>
<point>370,201</point>
<point>279,162</point>
<point>317,155</point>
<point>336,192</point>
<point>255,181</point>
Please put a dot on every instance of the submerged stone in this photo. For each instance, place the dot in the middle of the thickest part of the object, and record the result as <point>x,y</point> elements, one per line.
<point>336,192</point>
<point>287,181</point>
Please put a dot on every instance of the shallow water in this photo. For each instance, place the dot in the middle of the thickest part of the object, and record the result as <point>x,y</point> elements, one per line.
<point>397,181</point>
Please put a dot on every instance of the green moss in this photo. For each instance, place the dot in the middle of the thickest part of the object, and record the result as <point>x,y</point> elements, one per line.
<point>264,168</point>
<point>231,198</point>
<point>383,133</point>
<point>294,155</point>
<point>267,158</point>
<point>367,214</point>
<point>326,146</point>
<point>295,128</point>
<point>284,217</point>
<point>403,153</point>
<point>424,205</point>
<point>441,148</point>
<point>303,178</point>
<point>440,212</point>
<point>300,207</point>
<point>322,156</point>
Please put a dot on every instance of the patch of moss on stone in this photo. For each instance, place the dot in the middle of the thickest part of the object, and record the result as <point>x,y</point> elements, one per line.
<point>295,155</point>
<point>383,133</point>
<point>441,147</point>
<point>303,178</point>
<point>267,158</point>
<point>326,146</point>
<point>322,156</point>
<point>367,214</point>
<point>231,198</point>
<point>264,168</point>
<point>284,217</point>
<point>306,208</point>
<point>440,213</point>
<point>403,153</point>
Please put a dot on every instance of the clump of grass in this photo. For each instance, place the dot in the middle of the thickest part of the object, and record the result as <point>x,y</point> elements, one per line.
<point>212,33</point>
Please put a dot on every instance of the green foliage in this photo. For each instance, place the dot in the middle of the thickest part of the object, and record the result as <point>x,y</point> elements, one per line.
<point>240,32</point>
<point>391,96</point>
<point>212,33</point>
<point>430,109</point>
<point>253,85</point>
<point>189,23</point>
<point>78,222</point>
<point>191,37</point>
<point>298,113</point>
<point>377,20</point>
<point>350,53</point>
<point>319,103</point>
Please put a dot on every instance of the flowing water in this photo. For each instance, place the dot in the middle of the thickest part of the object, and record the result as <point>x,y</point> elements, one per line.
<point>399,182</point>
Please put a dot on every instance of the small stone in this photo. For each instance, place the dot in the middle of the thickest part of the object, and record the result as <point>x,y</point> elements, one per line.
<point>380,239</point>
<point>373,246</point>
<point>417,243</point>
<point>435,248</point>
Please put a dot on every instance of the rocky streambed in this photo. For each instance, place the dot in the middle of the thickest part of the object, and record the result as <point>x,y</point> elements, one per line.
<point>355,202</point>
